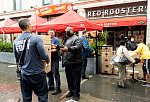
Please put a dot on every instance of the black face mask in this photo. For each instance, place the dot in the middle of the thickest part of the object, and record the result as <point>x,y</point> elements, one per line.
<point>68,33</point>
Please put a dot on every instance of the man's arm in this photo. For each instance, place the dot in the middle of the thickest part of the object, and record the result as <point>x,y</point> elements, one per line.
<point>41,50</point>
<point>77,45</point>
<point>86,45</point>
<point>139,48</point>
<point>15,53</point>
<point>58,43</point>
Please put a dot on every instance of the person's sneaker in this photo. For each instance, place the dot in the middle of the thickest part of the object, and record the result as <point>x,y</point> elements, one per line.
<point>85,77</point>
<point>70,94</point>
<point>144,84</point>
<point>56,91</point>
<point>50,89</point>
<point>121,86</point>
<point>76,98</point>
<point>148,84</point>
<point>143,80</point>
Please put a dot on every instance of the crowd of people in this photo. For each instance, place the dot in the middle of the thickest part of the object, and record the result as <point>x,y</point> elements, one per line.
<point>135,47</point>
<point>75,51</point>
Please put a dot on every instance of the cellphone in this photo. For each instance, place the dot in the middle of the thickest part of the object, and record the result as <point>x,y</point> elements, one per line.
<point>61,46</point>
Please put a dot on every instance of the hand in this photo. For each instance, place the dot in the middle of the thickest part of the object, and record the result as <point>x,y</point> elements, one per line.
<point>93,52</point>
<point>137,60</point>
<point>48,64</point>
<point>48,61</point>
<point>53,46</point>
<point>65,49</point>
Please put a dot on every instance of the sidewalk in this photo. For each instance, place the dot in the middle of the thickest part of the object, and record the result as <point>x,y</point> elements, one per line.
<point>99,88</point>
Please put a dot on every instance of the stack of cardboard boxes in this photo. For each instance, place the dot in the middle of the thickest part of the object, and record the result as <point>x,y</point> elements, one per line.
<point>47,45</point>
<point>129,74</point>
<point>107,54</point>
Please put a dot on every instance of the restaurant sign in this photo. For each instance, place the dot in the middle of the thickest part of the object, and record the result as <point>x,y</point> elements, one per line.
<point>54,9</point>
<point>116,11</point>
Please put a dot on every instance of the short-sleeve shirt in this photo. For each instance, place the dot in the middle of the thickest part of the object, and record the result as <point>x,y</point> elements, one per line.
<point>55,55</point>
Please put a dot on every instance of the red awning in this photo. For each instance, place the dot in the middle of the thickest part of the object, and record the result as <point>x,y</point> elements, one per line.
<point>5,23</point>
<point>34,21</point>
<point>70,19</point>
<point>128,21</point>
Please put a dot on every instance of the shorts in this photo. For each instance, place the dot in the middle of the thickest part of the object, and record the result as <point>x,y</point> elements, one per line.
<point>146,66</point>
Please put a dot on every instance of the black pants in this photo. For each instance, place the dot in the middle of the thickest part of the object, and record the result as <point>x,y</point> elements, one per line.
<point>73,75</point>
<point>54,73</point>
<point>36,83</point>
<point>84,64</point>
<point>146,66</point>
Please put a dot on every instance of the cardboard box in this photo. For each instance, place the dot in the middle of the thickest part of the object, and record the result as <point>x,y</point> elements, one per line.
<point>130,72</point>
<point>138,55</point>
<point>47,48</point>
<point>106,61</point>
<point>107,66</point>
<point>107,54</point>
<point>106,70</point>
<point>46,39</point>
<point>46,67</point>
<point>115,71</point>
<point>107,49</point>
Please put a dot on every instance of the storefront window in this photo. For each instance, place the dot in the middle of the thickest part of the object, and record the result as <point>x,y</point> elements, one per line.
<point>64,1</point>
<point>53,2</point>
<point>47,2</point>
<point>19,4</point>
<point>56,2</point>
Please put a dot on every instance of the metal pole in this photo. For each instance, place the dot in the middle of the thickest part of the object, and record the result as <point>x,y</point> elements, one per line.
<point>97,71</point>
<point>148,23</point>
<point>36,32</point>
<point>3,36</point>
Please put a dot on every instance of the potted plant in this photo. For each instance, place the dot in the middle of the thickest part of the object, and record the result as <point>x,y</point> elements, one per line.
<point>102,40</point>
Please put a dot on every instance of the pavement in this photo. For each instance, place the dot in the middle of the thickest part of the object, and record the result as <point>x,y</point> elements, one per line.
<point>99,88</point>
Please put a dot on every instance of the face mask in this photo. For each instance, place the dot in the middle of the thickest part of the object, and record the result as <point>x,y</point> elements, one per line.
<point>132,39</point>
<point>68,33</point>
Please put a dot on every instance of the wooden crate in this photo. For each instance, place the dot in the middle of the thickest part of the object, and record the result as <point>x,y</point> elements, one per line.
<point>130,72</point>
<point>46,39</point>
<point>107,70</point>
<point>107,49</point>
<point>115,71</point>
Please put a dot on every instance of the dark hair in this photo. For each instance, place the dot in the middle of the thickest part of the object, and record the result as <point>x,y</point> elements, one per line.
<point>122,42</point>
<point>23,23</point>
<point>51,30</point>
<point>84,32</point>
<point>137,42</point>
<point>132,37</point>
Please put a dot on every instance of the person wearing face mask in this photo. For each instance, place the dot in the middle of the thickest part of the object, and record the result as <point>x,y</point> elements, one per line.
<point>72,61</point>
<point>85,53</point>
<point>54,73</point>
<point>131,45</point>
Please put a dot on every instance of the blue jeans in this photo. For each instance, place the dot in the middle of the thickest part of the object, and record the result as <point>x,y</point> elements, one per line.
<point>84,65</point>
<point>54,73</point>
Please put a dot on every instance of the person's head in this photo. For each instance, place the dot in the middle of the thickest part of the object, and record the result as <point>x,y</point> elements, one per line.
<point>122,42</point>
<point>138,42</point>
<point>51,32</point>
<point>132,38</point>
<point>25,25</point>
<point>69,31</point>
<point>85,34</point>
